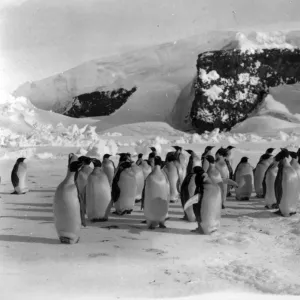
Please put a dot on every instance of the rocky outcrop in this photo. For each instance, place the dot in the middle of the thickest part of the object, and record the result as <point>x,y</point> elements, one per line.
<point>97,103</point>
<point>231,84</point>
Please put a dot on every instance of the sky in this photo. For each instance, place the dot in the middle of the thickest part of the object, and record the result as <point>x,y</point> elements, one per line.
<point>39,38</point>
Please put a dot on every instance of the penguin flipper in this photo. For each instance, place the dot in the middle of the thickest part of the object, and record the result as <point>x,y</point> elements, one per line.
<point>191,201</point>
<point>143,197</point>
<point>278,183</point>
<point>14,176</point>
<point>230,182</point>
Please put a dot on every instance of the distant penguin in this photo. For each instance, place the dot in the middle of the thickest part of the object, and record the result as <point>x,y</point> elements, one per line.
<point>194,161</point>
<point>209,201</point>
<point>286,187</point>
<point>124,188</point>
<point>188,189</point>
<point>108,168</point>
<point>151,156</point>
<point>205,163</point>
<point>221,165</point>
<point>81,177</point>
<point>156,197</point>
<point>19,177</point>
<point>243,176</point>
<point>145,166</point>
<point>124,157</point>
<point>140,181</point>
<point>172,172</point>
<point>259,173</point>
<point>268,151</point>
<point>66,206</point>
<point>269,182</point>
<point>98,194</point>
<point>178,155</point>
<point>229,162</point>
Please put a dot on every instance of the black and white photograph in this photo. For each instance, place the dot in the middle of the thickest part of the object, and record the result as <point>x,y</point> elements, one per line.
<point>149,149</point>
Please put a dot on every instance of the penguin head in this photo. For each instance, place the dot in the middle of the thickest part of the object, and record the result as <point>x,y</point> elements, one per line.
<point>222,152</point>
<point>177,148</point>
<point>189,151</point>
<point>208,148</point>
<point>85,160</point>
<point>157,161</point>
<point>151,155</point>
<point>210,159</point>
<point>140,155</point>
<point>293,154</point>
<point>198,170</point>
<point>199,179</point>
<point>123,157</point>
<point>171,157</point>
<point>96,162</point>
<point>20,160</point>
<point>72,157</point>
<point>153,149</point>
<point>126,165</point>
<point>244,159</point>
<point>270,150</point>
<point>285,152</point>
<point>106,156</point>
<point>230,147</point>
<point>265,156</point>
<point>75,166</point>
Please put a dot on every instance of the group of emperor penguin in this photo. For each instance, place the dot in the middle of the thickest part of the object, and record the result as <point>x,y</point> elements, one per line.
<point>202,183</point>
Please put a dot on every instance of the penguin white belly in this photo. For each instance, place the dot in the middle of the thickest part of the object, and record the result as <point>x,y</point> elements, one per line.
<point>22,172</point>
<point>296,167</point>
<point>259,177</point>
<point>146,169</point>
<point>205,165</point>
<point>289,199</point>
<point>245,184</point>
<point>172,173</point>
<point>66,210</point>
<point>156,201</point>
<point>110,172</point>
<point>270,197</point>
<point>140,181</point>
<point>225,175</point>
<point>98,197</point>
<point>191,190</point>
<point>211,209</point>
<point>127,185</point>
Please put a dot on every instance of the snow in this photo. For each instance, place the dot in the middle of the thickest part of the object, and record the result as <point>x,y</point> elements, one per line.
<point>213,92</point>
<point>207,77</point>
<point>255,253</point>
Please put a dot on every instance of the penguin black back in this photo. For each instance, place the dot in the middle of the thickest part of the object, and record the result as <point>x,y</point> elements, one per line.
<point>97,163</point>
<point>242,161</point>
<point>115,191</point>
<point>14,172</point>
<point>199,181</point>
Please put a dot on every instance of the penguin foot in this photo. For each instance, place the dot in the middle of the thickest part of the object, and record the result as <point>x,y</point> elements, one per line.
<point>138,200</point>
<point>151,227</point>
<point>278,212</point>
<point>274,206</point>
<point>14,193</point>
<point>245,199</point>
<point>129,211</point>
<point>259,196</point>
<point>163,226</point>
<point>66,240</point>
<point>229,194</point>
<point>293,213</point>
<point>99,220</point>
<point>267,207</point>
<point>144,222</point>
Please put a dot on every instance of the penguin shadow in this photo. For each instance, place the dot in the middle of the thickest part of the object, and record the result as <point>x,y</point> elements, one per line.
<point>32,204</point>
<point>245,207</point>
<point>42,191</point>
<point>256,215</point>
<point>32,218</point>
<point>28,239</point>
<point>45,210</point>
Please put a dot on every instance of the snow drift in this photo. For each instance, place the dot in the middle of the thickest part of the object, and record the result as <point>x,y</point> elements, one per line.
<point>162,74</point>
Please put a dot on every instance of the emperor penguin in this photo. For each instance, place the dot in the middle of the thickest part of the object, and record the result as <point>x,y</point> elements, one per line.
<point>178,154</point>
<point>209,199</point>
<point>188,189</point>
<point>243,176</point>
<point>229,162</point>
<point>223,169</point>
<point>151,156</point>
<point>124,188</point>
<point>207,151</point>
<point>194,161</point>
<point>140,181</point>
<point>269,182</point>
<point>268,151</point>
<point>98,194</point>
<point>145,166</point>
<point>259,173</point>
<point>286,187</point>
<point>173,175</point>
<point>108,167</point>
<point>19,177</point>
<point>156,197</point>
<point>67,208</point>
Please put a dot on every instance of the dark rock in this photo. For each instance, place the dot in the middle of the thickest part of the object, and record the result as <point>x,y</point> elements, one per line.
<point>98,103</point>
<point>239,84</point>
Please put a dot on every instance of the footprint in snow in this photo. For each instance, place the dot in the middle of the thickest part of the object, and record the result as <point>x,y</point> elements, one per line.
<point>94,255</point>
<point>157,251</point>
